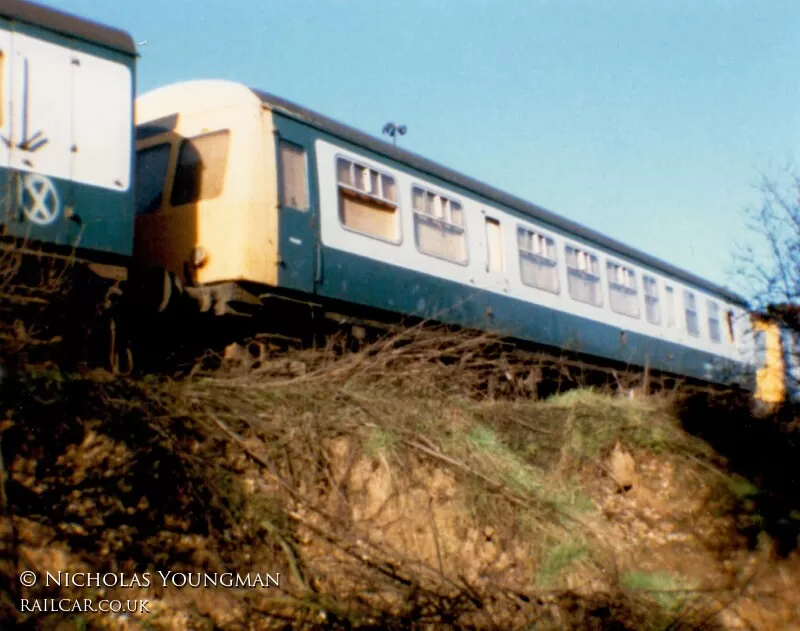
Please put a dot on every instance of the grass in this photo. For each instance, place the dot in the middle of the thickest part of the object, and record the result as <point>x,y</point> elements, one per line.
<point>485,445</point>
<point>741,487</point>
<point>382,442</point>
<point>595,421</point>
<point>670,591</point>
<point>558,560</point>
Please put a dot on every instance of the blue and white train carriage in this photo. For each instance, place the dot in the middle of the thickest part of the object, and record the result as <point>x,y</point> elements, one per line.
<point>240,190</point>
<point>66,132</point>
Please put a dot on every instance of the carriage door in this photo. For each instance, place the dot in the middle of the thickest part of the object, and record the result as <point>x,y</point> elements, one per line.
<point>298,241</point>
<point>5,121</point>
<point>495,253</point>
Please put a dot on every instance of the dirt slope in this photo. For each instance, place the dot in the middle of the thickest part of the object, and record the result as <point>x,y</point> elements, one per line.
<point>385,494</point>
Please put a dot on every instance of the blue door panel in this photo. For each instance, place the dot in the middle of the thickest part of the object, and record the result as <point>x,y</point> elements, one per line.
<point>298,228</point>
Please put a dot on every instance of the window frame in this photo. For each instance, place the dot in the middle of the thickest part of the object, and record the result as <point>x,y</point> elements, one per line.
<point>180,148</point>
<point>525,253</point>
<point>429,217</point>
<point>163,195</point>
<point>282,182</point>
<point>712,308</point>
<point>380,199</point>
<point>654,299</point>
<point>3,76</point>
<point>760,347</point>
<point>594,258</point>
<point>630,290</point>
<point>669,302</point>
<point>686,310</point>
<point>353,191</point>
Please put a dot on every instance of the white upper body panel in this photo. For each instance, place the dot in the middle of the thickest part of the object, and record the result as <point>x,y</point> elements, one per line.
<point>65,114</point>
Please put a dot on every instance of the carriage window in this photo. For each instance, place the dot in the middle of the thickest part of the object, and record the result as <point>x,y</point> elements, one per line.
<point>201,167</point>
<point>669,299</point>
<point>622,292</point>
<point>368,201</point>
<point>2,87</point>
<point>690,306</point>
<point>537,260</point>
<point>293,176</point>
<point>495,259</point>
<point>583,276</point>
<point>439,226</point>
<point>151,174</point>
<point>652,306</point>
<point>760,347</point>
<point>713,321</point>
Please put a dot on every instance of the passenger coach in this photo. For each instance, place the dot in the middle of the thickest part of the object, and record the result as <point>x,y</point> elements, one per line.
<point>242,195</point>
<point>66,124</point>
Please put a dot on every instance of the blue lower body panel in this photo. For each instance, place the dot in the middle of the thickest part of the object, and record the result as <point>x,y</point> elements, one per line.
<point>355,279</point>
<point>66,214</point>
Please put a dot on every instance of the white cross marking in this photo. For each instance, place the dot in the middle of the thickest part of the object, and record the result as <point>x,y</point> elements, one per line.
<point>44,206</point>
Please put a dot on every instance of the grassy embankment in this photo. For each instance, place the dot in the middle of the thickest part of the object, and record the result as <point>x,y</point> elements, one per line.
<point>387,493</point>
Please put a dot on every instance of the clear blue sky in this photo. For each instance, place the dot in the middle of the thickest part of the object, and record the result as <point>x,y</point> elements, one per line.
<point>648,121</point>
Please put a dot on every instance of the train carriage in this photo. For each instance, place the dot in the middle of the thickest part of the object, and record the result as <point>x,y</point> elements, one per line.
<point>243,201</point>
<point>777,352</point>
<point>67,89</point>
<point>241,193</point>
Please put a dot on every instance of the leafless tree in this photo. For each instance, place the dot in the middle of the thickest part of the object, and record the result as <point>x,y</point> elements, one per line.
<point>769,266</point>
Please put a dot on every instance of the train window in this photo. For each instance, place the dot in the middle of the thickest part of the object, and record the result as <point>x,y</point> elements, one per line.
<point>368,201</point>
<point>669,300</point>
<point>690,306</point>
<point>151,174</point>
<point>2,87</point>
<point>344,172</point>
<point>583,276</point>
<point>713,321</point>
<point>538,266</point>
<point>439,226</point>
<point>293,182</point>
<point>760,347</point>
<point>495,259</point>
<point>622,291</point>
<point>793,365</point>
<point>729,325</point>
<point>652,304</point>
<point>201,167</point>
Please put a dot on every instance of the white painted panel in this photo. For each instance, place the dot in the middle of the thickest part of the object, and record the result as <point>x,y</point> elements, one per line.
<point>42,95</point>
<point>102,119</point>
<point>475,274</point>
<point>6,55</point>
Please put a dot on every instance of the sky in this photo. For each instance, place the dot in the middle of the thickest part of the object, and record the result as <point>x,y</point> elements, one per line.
<point>648,121</point>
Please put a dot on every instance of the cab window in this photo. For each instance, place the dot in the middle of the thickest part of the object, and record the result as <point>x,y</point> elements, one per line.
<point>151,173</point>
<point>200,171</point>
